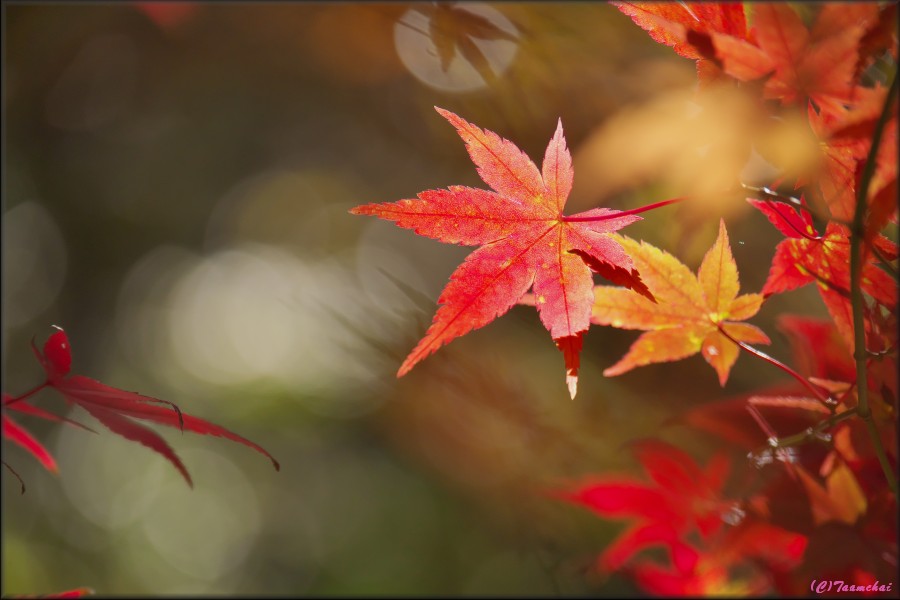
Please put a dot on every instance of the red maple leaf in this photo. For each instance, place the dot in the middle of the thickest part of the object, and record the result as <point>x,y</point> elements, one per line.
<point>681,498</point>
<point>845,138</point>
<point>806,257</point>
<point>116,408</point>
<point>525,240</point>
<point>741,561</point>
<point>686,27</point>
<point>817,64</point>
<point>693,313</point>
<point>707,537</point>
<point>19,435</point>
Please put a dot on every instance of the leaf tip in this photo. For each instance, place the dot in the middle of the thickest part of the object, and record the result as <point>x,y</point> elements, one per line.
<point>403,370</point>
<point>445,113</point>
<point>613,371</point>
<point>559,128</point>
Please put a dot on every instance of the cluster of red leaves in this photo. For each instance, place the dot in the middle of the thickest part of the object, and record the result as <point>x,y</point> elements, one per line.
<point>705,535</point>
<point>817,67</point>
<point>113,407</point>
<point>826,511</point>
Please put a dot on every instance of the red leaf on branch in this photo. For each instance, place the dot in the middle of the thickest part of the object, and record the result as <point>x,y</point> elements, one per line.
<point>10,403</point>
<point>685,26</point>
<point>525,240</point>
<point>682,497</point>
<point>706,537</point>
<point>689,313</point>
<point>115,407</point>
<point>818,63</point>
<point>825,260</point>
<point>741,561</point>
<point>817,348</point>
<point>845,138</point>
<point>19,435</point>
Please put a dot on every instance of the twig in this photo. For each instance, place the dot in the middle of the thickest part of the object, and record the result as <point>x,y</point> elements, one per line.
<point>856,300</point>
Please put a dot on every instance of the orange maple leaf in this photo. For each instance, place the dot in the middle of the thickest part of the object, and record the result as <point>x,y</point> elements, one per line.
<point>693,313</point>
<point>687,26</point>
<point>525,241</point>
<point>818,63</point>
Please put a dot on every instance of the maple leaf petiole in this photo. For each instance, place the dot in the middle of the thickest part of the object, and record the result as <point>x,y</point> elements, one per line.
<point>810,433</point>
<point>827,402</point>
<point>619,214</point>
<point>856,298</point>
<point>885,262</point>
<point>27,394</point>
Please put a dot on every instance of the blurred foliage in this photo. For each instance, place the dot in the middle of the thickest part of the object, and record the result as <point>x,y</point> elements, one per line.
<point>175,191</point>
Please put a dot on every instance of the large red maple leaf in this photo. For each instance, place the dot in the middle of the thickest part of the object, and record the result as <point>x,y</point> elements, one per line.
<point>525,240</point>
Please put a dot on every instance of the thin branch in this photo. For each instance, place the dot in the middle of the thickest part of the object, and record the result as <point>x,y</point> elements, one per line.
<point>812,433</point>
<point>27,394</point>
<point>857,236</point>
<point>827,402</point>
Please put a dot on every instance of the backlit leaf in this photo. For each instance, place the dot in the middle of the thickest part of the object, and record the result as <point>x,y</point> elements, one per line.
<point>690,312</point>
<point>526,243</point>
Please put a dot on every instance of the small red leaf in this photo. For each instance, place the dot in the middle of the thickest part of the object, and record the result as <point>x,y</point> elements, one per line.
<point>785,218</point>
<point>138,433</point>
<point>113,406</point>
<point>89,393</point>
<point>18,434</point>
<point>58,353</point>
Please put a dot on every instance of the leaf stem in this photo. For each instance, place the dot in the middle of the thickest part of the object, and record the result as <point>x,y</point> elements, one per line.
<point>856,300</point>
<point>623,213</point>
<point>813,432</point>
<point>828,403</point>
<point>27,394</point>
<point>884,260</point>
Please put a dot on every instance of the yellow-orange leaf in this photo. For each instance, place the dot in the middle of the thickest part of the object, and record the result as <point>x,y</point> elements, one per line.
<point>840,499</point>
<point>692,313</point>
